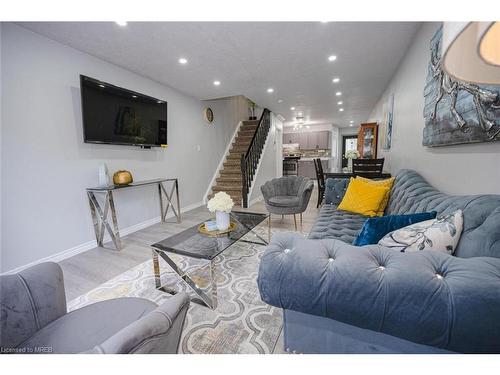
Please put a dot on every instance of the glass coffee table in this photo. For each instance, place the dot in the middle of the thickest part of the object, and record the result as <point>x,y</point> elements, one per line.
<point>191,243</point>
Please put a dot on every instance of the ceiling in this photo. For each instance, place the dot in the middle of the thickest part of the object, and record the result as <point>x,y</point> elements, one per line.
<point>250,57</point>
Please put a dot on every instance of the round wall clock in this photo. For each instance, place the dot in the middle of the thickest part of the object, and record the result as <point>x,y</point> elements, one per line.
<point>209,115</point>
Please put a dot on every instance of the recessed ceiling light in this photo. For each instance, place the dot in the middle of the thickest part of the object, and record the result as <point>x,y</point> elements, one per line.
<point>270,90</point>
<point>292,108</point>
<point>280,100</point>
<point>216,83</point>
<point>338,93</point>
<point>300,113</point>
<point>102,86</point>
<point>336,80</point>
<point>332,58</point>
<point>350,124</point>
<point>183,60</point>
<point>341,109</point>
<point>340,102</point>
<point>351,121</point>
<point>121,23</point>
<point>307,126</point>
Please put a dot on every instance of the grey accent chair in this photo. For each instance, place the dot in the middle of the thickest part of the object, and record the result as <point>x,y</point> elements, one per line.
<point>287,195</point>
<point>34,319</point>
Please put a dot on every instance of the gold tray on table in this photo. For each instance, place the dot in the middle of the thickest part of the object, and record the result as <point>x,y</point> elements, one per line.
<point>216,233</point>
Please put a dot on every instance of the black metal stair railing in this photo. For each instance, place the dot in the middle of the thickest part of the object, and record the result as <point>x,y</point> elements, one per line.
<point>250,160</point>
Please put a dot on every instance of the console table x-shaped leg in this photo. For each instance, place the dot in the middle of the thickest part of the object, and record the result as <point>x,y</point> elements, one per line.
<point>100,212</point>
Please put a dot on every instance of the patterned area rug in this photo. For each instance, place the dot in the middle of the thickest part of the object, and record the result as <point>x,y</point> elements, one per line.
<point>241,323</point>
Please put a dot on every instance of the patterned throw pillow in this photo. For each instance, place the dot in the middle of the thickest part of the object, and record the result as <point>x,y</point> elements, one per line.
<point>375,228</point>
<point>440,234</point>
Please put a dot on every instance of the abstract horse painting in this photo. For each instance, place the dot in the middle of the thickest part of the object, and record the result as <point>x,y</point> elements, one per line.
<point>455,111</point>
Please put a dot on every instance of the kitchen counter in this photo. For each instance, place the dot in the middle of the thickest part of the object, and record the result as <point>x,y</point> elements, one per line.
<point>322,158</point>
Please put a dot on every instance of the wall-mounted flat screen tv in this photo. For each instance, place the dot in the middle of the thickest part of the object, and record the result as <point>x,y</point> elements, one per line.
<point>119,116</point>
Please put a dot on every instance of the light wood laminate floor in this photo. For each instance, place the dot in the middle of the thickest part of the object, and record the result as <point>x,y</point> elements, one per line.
<point>86,271</point>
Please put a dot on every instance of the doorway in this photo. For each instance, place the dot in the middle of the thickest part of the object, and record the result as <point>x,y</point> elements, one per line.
<point>349,142</point>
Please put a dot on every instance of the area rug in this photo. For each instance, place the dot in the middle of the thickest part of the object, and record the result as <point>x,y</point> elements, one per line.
<point>241,323</point>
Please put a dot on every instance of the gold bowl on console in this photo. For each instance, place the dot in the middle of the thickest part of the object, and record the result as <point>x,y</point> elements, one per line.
<point>122,178</point>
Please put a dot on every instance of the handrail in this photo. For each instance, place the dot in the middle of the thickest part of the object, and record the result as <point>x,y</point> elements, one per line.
<point>250,160</point>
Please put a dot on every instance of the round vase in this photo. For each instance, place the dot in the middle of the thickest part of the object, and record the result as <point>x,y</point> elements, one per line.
<point>349,165</point>
<point>222,220</point>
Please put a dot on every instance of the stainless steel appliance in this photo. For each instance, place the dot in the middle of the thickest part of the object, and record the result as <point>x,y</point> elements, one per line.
<point>291,165</point>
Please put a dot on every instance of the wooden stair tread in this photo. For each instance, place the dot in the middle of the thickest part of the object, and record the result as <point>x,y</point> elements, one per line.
<point>230,177</point>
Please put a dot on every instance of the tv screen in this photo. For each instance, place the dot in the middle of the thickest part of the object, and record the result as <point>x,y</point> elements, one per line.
<point>115,115</point>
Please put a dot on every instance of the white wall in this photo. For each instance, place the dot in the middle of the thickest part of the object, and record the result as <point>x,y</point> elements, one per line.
<point>228,112</point>
<point>270,165</point>
<point>461,169</point>
<point>46,166</point>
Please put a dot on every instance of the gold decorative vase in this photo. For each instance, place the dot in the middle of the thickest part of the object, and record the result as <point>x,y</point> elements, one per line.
<point>122,178</point>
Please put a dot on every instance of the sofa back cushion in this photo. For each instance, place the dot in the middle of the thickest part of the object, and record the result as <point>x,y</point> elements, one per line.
<point>335,189</point>
<point>411,193</point>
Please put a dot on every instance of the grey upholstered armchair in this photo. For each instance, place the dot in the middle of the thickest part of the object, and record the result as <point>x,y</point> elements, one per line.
<point>287,195</point>
<point>34,319</point>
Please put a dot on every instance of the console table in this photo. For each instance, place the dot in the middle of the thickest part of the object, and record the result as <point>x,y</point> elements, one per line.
<point>100,214</point>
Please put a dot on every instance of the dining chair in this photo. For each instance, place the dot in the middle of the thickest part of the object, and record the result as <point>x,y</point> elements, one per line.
<point>368,168</point>
<point>320,177</point>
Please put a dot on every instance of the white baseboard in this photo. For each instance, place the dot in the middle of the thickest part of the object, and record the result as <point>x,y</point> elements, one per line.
<point>256,200</point>
<point>68,253</point>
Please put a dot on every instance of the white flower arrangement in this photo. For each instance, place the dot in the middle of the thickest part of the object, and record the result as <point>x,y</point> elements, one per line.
<point>220,202</point>
<point>352,154</point>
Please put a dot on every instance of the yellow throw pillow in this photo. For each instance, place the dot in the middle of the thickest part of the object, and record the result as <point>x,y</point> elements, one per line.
<point>387,182</point>
<point>363,197</point>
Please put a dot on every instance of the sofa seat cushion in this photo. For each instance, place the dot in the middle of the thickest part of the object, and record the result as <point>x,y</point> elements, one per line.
<point>336,224</point>
<point>82,329</point>
<point>284,201</point>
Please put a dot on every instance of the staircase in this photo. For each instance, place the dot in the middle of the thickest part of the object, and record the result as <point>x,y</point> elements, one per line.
<point>230,179</point>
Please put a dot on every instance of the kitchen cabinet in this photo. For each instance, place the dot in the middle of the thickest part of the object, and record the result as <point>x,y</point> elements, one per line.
<point>324,140</point>
<point>306,168</point>
<point>292,138</point>
<point>319,140</point>
<point>287,137</point>
<point>313,141</point>
<point>303,141</point>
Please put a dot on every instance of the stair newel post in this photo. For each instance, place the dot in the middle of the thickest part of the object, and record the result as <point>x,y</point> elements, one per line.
<point>243,181</point>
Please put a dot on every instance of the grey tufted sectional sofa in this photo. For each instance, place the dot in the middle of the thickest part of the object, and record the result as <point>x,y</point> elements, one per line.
<point>338,298</point>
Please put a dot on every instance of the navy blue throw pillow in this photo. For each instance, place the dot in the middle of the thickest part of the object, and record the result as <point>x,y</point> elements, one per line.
<point>377,227</point>
<point>335,189</point>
